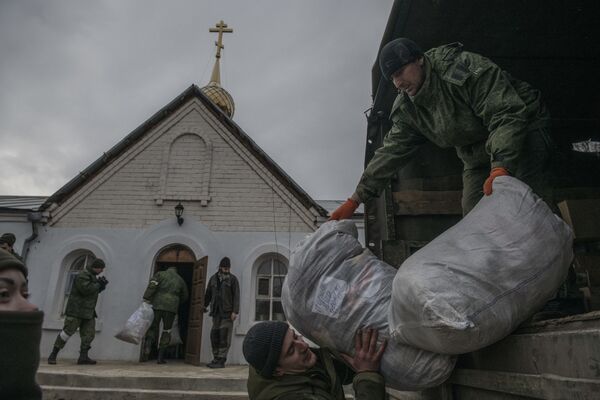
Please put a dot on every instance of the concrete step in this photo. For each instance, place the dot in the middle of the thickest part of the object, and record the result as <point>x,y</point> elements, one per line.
<point>171,382</point>
<point>141,381</point>
<point>83,393</point>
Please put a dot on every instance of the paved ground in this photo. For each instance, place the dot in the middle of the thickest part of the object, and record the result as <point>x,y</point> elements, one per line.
<point>136,369</point>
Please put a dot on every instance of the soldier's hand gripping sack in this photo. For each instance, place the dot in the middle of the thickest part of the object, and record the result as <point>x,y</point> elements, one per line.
<point>334,287</point>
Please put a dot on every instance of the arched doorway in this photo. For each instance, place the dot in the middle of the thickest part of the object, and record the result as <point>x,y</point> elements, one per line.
<point>190,313</point>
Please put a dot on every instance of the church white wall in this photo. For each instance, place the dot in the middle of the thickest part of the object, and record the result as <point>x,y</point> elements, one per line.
<point>233,191</point>
<point>124,214</point>
<point>129,254</point>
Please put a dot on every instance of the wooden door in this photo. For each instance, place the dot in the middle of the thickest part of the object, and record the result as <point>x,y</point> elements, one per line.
<point>194,333</point>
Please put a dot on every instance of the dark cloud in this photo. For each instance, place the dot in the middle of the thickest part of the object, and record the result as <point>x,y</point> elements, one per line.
<point>77,77</point>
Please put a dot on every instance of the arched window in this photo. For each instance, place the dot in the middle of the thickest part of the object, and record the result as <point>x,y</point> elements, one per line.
<point>270,274</point>
<point>79,263</point>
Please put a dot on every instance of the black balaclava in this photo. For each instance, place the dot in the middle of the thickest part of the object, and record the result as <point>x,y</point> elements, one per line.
<point>20,334</point>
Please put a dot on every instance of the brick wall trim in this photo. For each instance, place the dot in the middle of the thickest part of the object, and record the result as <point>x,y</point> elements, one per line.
<point>203,195</point>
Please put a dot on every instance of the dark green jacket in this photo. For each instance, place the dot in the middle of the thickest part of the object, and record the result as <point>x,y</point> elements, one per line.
<point>466,102</point>
<point>84,295</point>
<point>222,296</point>
<point>166,290</point>
<point>322,382</point>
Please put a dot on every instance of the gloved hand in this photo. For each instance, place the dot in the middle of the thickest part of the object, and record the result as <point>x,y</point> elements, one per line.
<point>345,211</point>
<point>103,282</point>
<point>494,173</point>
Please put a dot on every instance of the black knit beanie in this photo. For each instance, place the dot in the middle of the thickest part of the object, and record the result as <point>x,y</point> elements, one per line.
<point>225,263</point>
<point>262,346</point>
<point>8,261</point>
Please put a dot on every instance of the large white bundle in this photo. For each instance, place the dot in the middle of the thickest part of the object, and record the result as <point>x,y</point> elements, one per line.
<point>334,287</point>
<point>137,324</point>
<point>479,280</point>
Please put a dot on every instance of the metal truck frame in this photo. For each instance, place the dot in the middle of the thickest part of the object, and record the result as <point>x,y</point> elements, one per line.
<point>554,46</point>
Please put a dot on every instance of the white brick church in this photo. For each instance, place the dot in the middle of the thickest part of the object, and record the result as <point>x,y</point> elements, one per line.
<point>236,202</point>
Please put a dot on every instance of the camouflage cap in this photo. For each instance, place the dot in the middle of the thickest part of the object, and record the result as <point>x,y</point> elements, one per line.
<point>8,238</point>
<point>8,261</point>
<point>396,54</point>
<point>98,263</point>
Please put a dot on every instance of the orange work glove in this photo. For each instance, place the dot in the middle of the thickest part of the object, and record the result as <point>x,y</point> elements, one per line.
<point>494,173</point>
<point>344,211</point>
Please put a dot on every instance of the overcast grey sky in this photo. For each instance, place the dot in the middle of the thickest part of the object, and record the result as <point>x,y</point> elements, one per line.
<point>77,76</point>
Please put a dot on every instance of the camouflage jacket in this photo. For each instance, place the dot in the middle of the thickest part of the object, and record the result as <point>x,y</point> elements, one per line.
<point>166,290</point>
<point>322,382</point>
<point>466,102</point>
<point>222,295</point>
<point>83,296</point>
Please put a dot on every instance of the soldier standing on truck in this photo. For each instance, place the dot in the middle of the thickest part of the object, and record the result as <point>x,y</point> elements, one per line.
<point>454,98</point>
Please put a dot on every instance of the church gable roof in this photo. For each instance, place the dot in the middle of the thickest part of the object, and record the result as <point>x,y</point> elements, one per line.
<point>132,138</point>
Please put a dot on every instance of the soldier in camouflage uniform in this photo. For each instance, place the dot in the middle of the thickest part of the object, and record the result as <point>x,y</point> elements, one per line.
<point>7,242</point>
<point>166,291</point>
<point>454,98</point>
<point>81,311</point>
<point>223,296</point>
<point>284,367</point>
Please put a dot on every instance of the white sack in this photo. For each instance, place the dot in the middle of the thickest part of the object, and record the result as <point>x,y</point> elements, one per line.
<point>137,325</point>
<point>479,280</point>
<point>175,336</point>
<point>334,287</point>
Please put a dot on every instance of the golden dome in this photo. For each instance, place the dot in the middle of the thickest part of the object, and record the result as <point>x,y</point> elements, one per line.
<point>220,97</point>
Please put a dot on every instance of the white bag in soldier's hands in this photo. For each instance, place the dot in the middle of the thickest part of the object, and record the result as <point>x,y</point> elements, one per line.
<point>334,287</point>
<point>137,325</point>
<point>475,283</point>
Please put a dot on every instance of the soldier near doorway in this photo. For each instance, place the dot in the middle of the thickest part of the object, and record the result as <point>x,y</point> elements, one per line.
<point>223,296</point>
<point>166,291</point>
<point>81,311</point>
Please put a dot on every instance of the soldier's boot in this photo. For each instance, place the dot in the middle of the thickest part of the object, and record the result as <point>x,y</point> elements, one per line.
<point>213,363</point>
<point>161,357</point>
<point>84,359</point>
<point>52,356</point>
<point>217,363</point>
<point>147,350</point>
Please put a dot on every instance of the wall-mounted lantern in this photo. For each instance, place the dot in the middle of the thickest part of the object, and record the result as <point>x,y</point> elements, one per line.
<point>178,213</point>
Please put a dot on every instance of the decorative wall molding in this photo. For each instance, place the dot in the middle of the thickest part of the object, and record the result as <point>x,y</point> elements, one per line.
<point>202,194</point>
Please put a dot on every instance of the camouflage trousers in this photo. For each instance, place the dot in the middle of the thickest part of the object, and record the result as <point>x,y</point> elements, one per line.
<point>167,319</point>
<point>220,336</point>
<point>533,168</point>
<point>87,332</point>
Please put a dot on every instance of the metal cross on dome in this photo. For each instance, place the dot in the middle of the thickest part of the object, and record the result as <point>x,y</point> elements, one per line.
<point>221,28</point>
